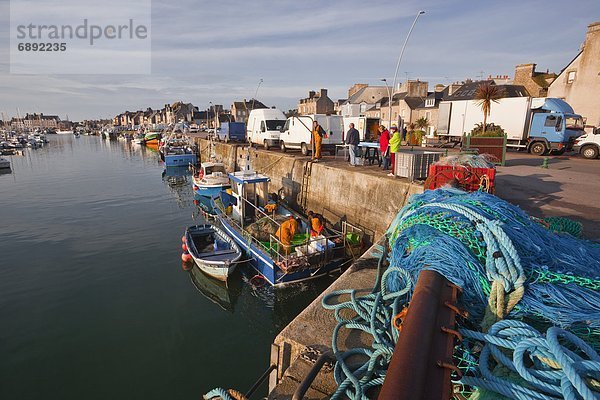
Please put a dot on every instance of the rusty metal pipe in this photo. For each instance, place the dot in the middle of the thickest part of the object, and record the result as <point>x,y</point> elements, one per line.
<point>418,367</point>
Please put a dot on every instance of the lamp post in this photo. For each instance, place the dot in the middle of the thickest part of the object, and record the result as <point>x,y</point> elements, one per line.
<point>256,94</point>
<point>389,103</point>
<point>403,47</point>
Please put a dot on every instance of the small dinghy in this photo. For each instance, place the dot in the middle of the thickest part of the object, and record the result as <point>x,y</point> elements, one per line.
<point>215,253</point>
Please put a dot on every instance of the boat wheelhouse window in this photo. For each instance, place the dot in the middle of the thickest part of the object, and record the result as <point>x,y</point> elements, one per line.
<point>275,125</point>
<point>574,123</point>
<point>215,168</point>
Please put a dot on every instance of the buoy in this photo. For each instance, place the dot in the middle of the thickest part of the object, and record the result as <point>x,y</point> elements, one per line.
<point>183,239</point>
<point>196,202</point>
<point>186,266</point>
<point>184,247</point>
<point>186,257</point>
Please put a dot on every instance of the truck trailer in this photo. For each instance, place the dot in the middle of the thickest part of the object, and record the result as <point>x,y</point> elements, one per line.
<point>540,125</point>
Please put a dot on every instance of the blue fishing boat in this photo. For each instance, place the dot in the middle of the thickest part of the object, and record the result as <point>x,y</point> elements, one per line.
<point>210,179</point>
<point>247,219</point>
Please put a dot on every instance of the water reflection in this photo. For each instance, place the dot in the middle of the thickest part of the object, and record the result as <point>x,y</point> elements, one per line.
<point>224,294</point>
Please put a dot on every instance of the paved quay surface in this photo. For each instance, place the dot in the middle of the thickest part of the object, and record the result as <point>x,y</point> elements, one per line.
<point>569,187</point>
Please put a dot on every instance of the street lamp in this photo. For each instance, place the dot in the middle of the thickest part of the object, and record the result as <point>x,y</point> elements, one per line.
<point>256,94</point>
<point>389,103</point>
<point>403,47</point>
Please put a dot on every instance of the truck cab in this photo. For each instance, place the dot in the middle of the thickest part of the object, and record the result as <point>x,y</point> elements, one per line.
<point>554,127</point>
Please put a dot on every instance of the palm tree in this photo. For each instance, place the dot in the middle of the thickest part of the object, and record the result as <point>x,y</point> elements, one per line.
<point>422,123</point>
<point>487,93</point>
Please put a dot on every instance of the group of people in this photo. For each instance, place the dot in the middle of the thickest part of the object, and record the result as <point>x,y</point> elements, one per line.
<point>389,144</point>
<point>287,230</point>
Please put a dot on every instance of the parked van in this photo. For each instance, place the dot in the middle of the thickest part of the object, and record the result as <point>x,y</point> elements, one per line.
<point>297,132</point>
<point>232,132</point>
<point>264,126</point>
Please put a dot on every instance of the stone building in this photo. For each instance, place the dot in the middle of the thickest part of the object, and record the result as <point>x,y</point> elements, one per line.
<point>361,98</point>
<point>240,110</point>
<point>316,103</point>
<point>579,82</point>
<point>535,82</point>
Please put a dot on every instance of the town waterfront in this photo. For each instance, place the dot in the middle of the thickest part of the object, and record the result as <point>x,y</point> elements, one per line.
<point>94,303</point>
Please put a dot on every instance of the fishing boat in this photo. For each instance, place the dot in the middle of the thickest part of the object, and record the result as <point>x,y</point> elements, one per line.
<point>178,151</point>
<point>213,252</point>
<point>64,131</point>
<point>152,138</point>
<point>4,163</point>
<point>210,179</point>
<point>245,219</point>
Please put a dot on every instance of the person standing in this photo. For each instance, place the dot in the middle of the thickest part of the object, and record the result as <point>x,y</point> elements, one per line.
<point>317,137</point>
<point>384,146</point>
<point>352,140</point>
<point>395,142</point>
<point>286,232</point>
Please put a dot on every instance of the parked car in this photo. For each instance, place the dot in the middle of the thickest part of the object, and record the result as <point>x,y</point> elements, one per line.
<point>588,145</point>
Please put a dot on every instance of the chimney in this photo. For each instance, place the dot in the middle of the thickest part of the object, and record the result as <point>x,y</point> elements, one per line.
<point>311,94</point>
<point>323,92</point>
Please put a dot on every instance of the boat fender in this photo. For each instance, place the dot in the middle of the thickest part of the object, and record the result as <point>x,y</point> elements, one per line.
<point>186,257</point>
<point>183,239</point>
<point>184,248</point>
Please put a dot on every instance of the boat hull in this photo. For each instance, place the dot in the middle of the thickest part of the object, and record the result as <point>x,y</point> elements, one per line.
<point>180,160</point>
<point>218,264</point>
<point>209,191</point>
<point>264,264</point>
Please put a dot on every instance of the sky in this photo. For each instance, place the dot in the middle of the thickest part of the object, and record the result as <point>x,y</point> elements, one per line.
<point>218,51</point>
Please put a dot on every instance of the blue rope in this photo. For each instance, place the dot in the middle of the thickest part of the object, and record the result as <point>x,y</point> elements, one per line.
<point>478,239</point>
<point>218,392</point>
<point>550,369</point>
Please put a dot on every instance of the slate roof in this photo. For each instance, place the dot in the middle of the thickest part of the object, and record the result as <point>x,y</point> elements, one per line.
<point>467,91</point>
<point>368,94</point>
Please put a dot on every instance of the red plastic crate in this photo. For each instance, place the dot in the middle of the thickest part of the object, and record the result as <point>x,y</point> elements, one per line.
<point>464,177</point>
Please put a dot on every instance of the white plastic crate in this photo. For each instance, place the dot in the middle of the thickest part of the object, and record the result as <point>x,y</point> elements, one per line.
<point>414,164</point>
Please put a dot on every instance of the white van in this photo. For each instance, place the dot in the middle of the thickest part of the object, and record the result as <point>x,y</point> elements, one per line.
<point>264,126</point>
<point>297,132</point>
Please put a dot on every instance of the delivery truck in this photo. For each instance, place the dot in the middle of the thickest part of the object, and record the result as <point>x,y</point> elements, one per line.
<point>297,132</point>
<point>540,125</point>
<point>232,132</point>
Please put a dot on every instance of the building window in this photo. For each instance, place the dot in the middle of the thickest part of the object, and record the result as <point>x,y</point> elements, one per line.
<point>430,103</point>
<point>571,77</point>
<point>428,116</point>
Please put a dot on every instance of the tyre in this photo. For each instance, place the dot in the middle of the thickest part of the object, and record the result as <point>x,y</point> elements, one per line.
<point>538,148</point>
<point>589,151</point>
<point>282,146</point>
<point>266,144</point>
<point>304,149</point>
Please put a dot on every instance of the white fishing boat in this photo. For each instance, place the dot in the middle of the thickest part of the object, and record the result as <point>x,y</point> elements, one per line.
<point>213,252</point>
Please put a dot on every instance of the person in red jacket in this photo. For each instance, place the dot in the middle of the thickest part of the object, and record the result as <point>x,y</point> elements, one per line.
<point>384,142</point>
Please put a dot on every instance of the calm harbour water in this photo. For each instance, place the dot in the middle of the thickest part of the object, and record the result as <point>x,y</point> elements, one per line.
<point>94,303</point>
